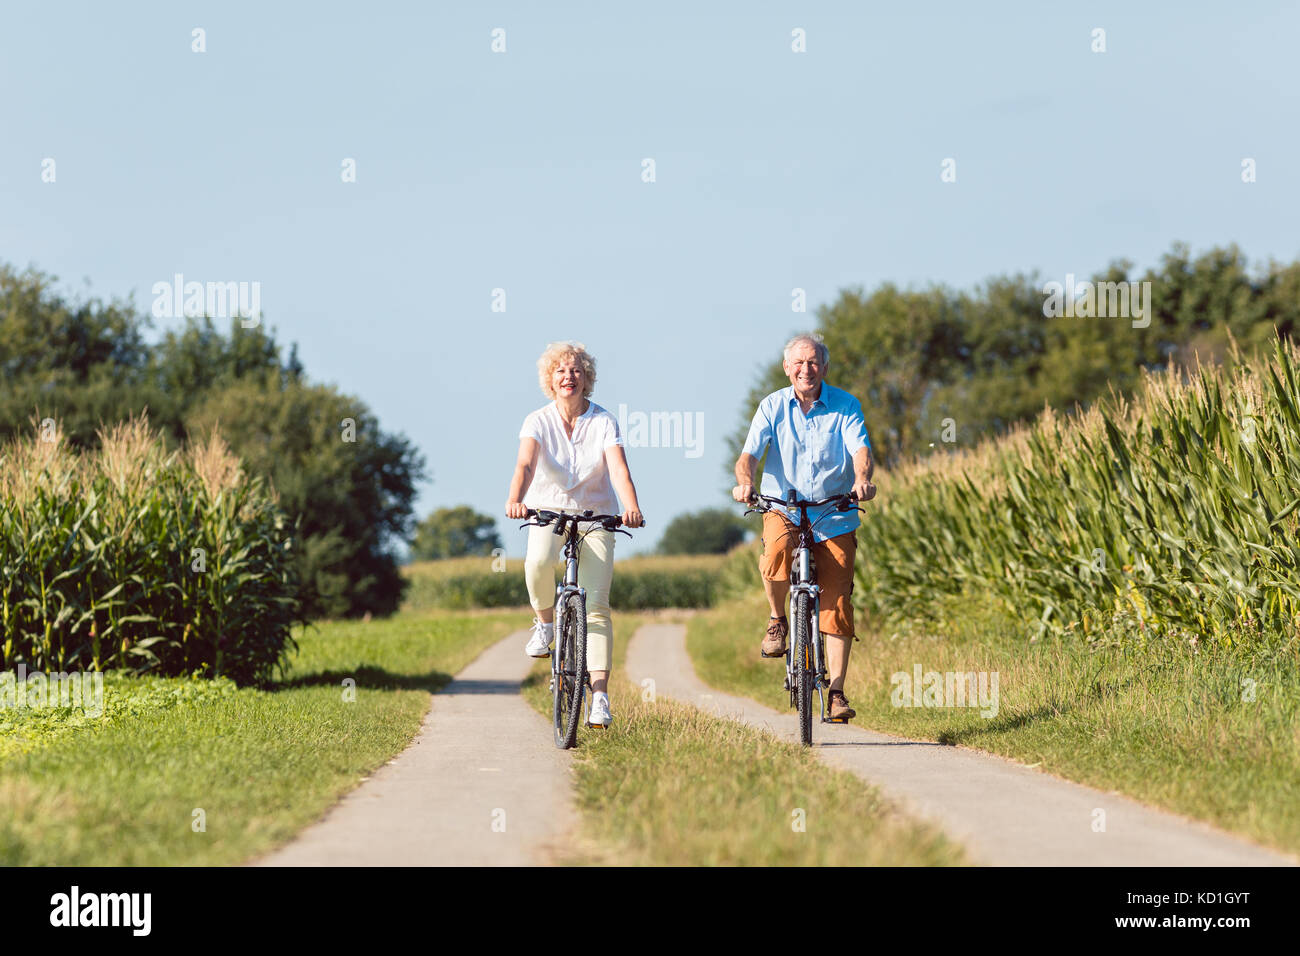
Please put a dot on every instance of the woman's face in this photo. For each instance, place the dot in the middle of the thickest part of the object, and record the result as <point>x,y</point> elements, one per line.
<point>567,380</point>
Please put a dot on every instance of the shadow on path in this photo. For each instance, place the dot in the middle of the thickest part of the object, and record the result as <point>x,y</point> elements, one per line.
<point>373,678</point>
<point>879,743</point>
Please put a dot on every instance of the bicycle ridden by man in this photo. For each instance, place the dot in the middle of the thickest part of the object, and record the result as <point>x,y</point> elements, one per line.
<point>817,445</point>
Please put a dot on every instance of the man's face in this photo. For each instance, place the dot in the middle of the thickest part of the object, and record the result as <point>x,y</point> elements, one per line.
<point>805,371</point>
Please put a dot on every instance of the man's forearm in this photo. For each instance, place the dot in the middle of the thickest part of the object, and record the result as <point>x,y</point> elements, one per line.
<point>863,466</point>
<point>745,466</point>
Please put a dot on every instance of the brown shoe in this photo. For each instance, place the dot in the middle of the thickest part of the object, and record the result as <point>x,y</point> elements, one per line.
<point>840,709</point>
<point>774,641</point>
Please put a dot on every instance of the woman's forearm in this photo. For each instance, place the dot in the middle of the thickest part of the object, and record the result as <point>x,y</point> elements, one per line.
<point>626,491</point>
<point>620,476</point>
<point>519,484</point>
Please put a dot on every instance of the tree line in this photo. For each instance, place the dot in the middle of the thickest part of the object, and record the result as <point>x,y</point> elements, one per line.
<point>941,367</point>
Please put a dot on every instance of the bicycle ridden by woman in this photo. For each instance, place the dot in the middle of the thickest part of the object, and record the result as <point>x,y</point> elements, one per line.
<point>571,460</point>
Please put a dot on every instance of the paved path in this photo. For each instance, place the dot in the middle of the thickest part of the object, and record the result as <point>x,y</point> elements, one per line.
<point>1003,812</point>
<point>483,757</point>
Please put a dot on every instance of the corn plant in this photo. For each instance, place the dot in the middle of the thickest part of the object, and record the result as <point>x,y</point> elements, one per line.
<point>135,558</point>
<point>1177,511</point>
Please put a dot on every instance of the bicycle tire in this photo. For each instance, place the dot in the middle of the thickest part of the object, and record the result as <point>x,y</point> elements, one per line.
<point>572,685</point>
<point>802,666</point>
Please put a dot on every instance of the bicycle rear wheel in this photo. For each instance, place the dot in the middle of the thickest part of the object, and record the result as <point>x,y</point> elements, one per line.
<point>802,665</point>
<point>571,671</point>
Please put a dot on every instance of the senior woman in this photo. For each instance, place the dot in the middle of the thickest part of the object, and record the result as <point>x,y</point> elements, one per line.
<point>571,460</point>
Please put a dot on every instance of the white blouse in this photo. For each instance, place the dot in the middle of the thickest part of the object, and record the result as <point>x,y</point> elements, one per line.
<point>571,472</point>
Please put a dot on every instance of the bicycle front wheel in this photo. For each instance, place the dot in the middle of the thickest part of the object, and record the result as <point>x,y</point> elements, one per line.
<point>571,671</point>
<point>802,665</point>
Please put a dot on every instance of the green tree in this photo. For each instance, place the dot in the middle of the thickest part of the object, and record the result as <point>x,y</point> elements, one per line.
<point>349,485</point>
<point>455,533</point>
<point>710,531</point>
<point>77,361</point>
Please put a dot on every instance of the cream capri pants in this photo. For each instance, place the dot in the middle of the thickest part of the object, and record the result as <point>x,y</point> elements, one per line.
<point>595,571</point>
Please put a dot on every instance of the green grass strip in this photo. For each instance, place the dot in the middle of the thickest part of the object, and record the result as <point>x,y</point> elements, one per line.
<point>259,764</point>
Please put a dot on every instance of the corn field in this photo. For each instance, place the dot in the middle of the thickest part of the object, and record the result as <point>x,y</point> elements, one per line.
<point>139,559</point>
<point>1174,513</point>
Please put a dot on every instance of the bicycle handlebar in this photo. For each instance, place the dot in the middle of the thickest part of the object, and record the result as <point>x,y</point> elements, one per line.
<point>842,500</point>
<point>610,522</point>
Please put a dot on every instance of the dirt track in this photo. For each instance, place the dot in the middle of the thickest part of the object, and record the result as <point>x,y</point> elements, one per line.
<point>483,761</point>
<point>1004,812</point>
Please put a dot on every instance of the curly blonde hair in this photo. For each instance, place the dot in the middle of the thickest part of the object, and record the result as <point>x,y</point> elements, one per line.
<point>555,353</point>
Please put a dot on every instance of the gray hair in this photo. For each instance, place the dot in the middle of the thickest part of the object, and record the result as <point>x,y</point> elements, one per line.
<point>813,339</point>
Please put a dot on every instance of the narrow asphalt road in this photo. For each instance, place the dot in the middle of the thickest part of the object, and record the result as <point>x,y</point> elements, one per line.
<point>481,784</point>
<point>1003,812</point>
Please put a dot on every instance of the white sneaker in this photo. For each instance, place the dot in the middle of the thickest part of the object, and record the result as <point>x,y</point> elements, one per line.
<point>539,645</point>
<point>600,715</point>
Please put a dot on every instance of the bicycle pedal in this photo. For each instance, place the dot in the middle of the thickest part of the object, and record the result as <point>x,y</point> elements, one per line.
<point>598,726</point>
<point>835,720</point>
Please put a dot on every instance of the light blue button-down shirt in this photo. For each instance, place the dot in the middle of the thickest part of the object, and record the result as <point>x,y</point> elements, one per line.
<point>813,453</point>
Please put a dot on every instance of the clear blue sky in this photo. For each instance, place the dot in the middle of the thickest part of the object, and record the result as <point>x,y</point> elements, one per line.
<point>522,171</point>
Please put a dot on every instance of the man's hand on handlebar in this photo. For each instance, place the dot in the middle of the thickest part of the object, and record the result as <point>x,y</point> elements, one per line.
<point>633,518</point>
<point>743,493</point>
<point>864,490</point>
<point>516,509</point>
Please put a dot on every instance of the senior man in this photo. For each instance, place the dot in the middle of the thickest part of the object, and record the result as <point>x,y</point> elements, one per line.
<point>818,447</point>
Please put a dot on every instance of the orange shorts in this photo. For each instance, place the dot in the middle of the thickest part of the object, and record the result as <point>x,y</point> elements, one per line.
<point>834,560</point>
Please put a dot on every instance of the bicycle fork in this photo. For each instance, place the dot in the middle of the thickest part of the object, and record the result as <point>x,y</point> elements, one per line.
<point>569,587</point>
<point>814,633</point>
<point>815,638</point>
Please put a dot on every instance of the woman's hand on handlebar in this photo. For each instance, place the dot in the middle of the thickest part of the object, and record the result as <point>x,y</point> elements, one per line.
<point>516,509</point>
<point>633,518</point>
